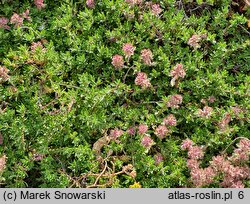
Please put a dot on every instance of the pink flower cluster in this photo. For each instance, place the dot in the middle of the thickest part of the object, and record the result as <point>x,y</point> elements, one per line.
<point>117,61</point>
<point>131,130</point>
<point>147,56</point>
<point>187,144</point>
<point>4,74</point>
<point>147,142</point>
<point>223,124</point>
<point>206,112</point>
<point>36,45</point>
<point>177,72</point>
<point>195,39</point>
<point>174,101</point>
<point>128,49</point>
<point>158,158</point>
<point>200,177</point>
<point>142,80</point>
<point>194,152</point>
<point>242,153</point>
<point>143,128</point>
<point>170,120</point>
<point>232,175</point>
<point>25,15</point>
<point>161,131</point>
<point>17,19</point>
<point>39,4</point>
<point>3,23</point>
<point>156,9</point>
<point>115,133</point>
<point>90,4</point>
<point>211,99</point>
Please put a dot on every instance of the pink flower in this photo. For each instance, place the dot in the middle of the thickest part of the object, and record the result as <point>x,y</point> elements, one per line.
<point>25,14</point>
<point>36,45</point>
<point>142,129</point>
<point>117,61</point>
<point>39,4</point>
<point>161,131</point>
<point>116,133</point>
<point>236,172</point>
<point>147,56</point>
<point>240,156</point>
<point>218,163</point>
<point>227,182</point>
<point>147,142</point>
<point>245,170</point>
<point>225,121</point>
<point>237,184</point>
<point>177,72</point>
<point>3,23</point>
<point>209,175</point>
<point>170,120</point>
<point>90,3</point>
<point>156,9</point>
<point>206,112</point>
<point>234,175</point>
<point>194,41</point>
<point>128,49</point>
<point>193,164</point>
<point>131,131</point>
<point>142,80</point>
<point>187,144</point>
<point>202,177</point>
<point>16,19</point>
<point>4,74</point>
<point>244,145</point>
<point>242,152</point>
<point>158,158</point>
<point>211,99</point>
<point>195,152</point>
<point>174,101</point>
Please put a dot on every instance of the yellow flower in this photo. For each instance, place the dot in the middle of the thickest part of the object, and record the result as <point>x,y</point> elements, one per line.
<point>135,185</point>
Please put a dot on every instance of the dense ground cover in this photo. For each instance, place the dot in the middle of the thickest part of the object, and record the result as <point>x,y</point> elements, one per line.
<point>124,93</point>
